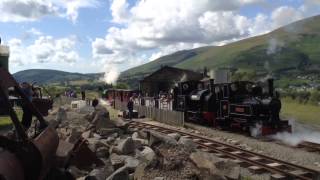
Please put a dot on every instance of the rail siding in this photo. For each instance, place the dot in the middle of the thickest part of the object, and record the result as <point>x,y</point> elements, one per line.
<point>170,117</point>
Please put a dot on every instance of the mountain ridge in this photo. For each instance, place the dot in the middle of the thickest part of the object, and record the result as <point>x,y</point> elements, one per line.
<point>284,53</point>
<point>48,76</point>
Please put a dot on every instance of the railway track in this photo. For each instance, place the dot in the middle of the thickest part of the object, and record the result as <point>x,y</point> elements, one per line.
<point>309,146</point>
<point>255,162</point>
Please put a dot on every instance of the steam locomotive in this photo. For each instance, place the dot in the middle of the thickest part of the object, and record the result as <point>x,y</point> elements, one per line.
<point>238,106</point>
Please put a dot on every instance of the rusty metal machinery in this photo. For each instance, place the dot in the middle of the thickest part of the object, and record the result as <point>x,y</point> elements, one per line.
<point>23,158</point>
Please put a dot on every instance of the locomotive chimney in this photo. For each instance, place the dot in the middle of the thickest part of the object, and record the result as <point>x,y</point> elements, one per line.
<point>211,81</point>
<point>270,85</point>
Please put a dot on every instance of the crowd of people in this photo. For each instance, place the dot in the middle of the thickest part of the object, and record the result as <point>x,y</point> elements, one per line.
<point>70,93</point>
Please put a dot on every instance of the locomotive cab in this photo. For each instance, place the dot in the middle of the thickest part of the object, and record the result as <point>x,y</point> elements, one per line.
<point>237,106</point>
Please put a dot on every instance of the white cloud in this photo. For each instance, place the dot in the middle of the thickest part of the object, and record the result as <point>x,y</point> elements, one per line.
<point>72,7</point>
<point>285,15</point>
<point>35,31</point>
<point>32,10</point>
<point>119,10</point>
<point>150,29</point>
<point>25,10</point>
<point>162,27</point>
<point>45,49</point>
<point>219,26</point>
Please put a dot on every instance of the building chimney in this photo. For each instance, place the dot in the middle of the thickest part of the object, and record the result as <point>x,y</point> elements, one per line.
<point>211,81</point>
<point>270,86</point>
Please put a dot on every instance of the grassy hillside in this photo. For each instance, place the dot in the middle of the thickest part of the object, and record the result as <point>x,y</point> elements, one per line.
<point>45,76</point>
<point>285,53</point>
<point>304,113</point>
<point>133,75</point>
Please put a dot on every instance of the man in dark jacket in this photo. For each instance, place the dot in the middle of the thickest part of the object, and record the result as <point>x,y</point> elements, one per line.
<point>83,95</point>
<point>130,107</point>
<point>27,112</point>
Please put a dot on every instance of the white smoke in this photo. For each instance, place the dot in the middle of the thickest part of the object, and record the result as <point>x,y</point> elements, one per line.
<point>111,75</point>
<point>211,74</point>
<point>299,134</point>
<point>256,131</point>
<point>103,102</point>
<point>183,78</point>
<point>274,46</point>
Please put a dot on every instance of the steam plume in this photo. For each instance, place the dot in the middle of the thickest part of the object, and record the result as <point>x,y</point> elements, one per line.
<point>274,46</point>
<point>111,75</point>
<point>300,133</point>
<point>183,78</point>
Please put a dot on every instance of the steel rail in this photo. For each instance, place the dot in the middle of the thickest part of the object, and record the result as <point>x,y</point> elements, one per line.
<point>245,157</point>
<point>309,146</point>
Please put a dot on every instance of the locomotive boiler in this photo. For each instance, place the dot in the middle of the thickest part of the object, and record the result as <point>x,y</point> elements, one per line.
<point>238,106</point>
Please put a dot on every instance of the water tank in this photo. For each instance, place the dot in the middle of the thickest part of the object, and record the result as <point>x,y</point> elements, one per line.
<point>4,57</point>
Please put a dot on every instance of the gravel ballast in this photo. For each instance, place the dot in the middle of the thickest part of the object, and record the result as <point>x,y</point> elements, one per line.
<point>268,148</point>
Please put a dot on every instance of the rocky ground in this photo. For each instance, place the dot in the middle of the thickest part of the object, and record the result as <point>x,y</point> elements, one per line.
<point>115,152</point>
<point>270,148</point>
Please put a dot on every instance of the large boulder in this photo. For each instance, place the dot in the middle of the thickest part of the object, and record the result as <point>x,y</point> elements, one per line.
<point>214,165</point>
<point>106,132</point>
<point>187,143</point>
<point>74,136</point>
<point>142,134</point>
<point>135,135</point>
<point>176,136</point>
<point>120,123</point>
<point>61,115</point>
<point>131,163</point>
<point>75,172</point>
<point>147,155</point>
<point>102,152</point>
<point>140,171</point>
<point>98,174</point>
<point>139,142</point>
<point>125,146</point>
<point>159,178</point>
<point>117,161</point>
<point>156,137</point>
<point>102,120</point>
<point>95,143</point>
<point>89,116</point>
<point>111,138</point>
<point>86,109</point>
<point>87,134</point>
<point>120,174</point>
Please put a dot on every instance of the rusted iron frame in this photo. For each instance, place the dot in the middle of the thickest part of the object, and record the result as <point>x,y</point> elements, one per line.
<point>8,81</point>
<point>29,104</point>
<point>35,155</point>
<point>26,155</point>
<point>15,120</point>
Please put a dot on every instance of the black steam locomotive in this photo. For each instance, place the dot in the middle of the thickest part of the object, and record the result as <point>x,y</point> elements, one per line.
<point>243,105</point>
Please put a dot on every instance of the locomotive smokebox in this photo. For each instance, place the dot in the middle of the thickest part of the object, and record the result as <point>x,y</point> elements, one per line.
<point>270,86</point>
<point>211,81</point>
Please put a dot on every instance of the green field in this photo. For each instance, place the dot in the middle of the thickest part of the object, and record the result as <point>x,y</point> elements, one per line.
<point>304,113</point>
<point>5,121</point>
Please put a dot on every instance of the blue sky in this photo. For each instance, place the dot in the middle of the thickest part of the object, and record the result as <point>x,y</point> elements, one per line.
<point>113,35</point>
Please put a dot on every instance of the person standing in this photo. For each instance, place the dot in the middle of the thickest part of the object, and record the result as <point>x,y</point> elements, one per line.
<point>83,95</point>
<point>130,107</point>
<point>27,112</point>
